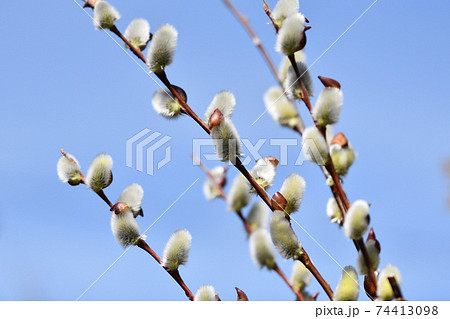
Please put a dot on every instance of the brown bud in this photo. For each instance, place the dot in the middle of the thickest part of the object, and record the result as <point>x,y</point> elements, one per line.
<point>370,288</point>
<point>119,207</point>
<point>340,139</point>
<point>303,40</point>
<point>181,92</point>
<point>241,296</point>
<point>371,236</point>
<point>314,297</point>
<point>278,201</point>
<point>217,297</point>
<point>271,159</point>
<point>329,83</point>
<point>215,119</point>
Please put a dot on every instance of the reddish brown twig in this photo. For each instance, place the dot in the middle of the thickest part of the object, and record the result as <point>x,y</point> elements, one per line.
<point>396,289</point>
<point>297,292</point>
<point>173,273</point>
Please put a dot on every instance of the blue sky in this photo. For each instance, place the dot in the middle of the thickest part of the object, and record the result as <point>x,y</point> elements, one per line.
<point>64,84</point>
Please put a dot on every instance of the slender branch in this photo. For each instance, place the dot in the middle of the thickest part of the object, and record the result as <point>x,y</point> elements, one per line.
<point>304,258</point>
<point>102,195</point>
<point>256,40</point>
<point>133,49</point>
<point>174,273</point>
<point>338,190</point>
<point>297,292</point>
<point>269,14</point>
<point>396,289</point>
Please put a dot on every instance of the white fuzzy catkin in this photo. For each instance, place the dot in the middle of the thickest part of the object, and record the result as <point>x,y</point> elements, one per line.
<point>264,173</point>
<point>105,15</point>
<point>166,104</point>
<point>293,190</point>
<point>374,257</point>
<point>384,290</point>
<point>99,174</point>
<point>132,196</point>
<point>290,34</point>
<point>261,249</point>
<point>292,82</point>
<point>176,252</point>
<point>343,158</point>
<point>205,293</point>
<point>125,228</point>
<point>68,169</point>
<point>210,189</point>
<point>300,276</point>
<point>283,237</point>
<point>333,211</point>
<point>162,48</point>
<point>258,217</point>
<point>226,140</point>
<point>239,195</point>
<point>348,286</point>
<point>328,106</point>
<point>283,68</point>
<point>138,33</point>
<point>283,9</point>
<point>224,101</point>
<point>315,147</point>
<point>356,220</point>
<point>280,109</point>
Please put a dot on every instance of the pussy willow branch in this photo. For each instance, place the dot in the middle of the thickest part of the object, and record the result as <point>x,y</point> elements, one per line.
<point>337,190</point>
<point>143,245</point>
<point>257,42</point>
<point>237,162</point>
<point>249,229</point>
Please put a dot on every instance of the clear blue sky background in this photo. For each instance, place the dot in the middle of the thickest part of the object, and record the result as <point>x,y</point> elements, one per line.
<point>64,84</point>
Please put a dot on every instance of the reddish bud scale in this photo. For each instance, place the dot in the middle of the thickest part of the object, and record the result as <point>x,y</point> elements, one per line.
<point>328,82</point>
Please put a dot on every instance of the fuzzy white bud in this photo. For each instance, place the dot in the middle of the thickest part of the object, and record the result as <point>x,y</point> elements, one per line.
<point>300,276</point>
<point>357,220</point>
<point>328,106</point>
<point>348,286</point>
<point>162,48</point>
<point>239,195</point>
<point>264,173</point>
<point>132,196</point>
<point>261,249</point>
<point>224,101</point>
<point>138,33</point>
<point>384,290</point>
<point>343,157</point>
<point>283,68</point>
<point>283,9</point>
<point>258,217</point>
<point>205,293</point>
<point>290,35</point>
<point>68,169</point>
<point>125,228</point>
<point>293,190</point>
<point>176,252</point>
<point>292,82</point>
<point>315,147</point>
<point>99,174</point>
<point>226,140</point>
<point>372,248</point>
<point>283,237</point>
<point>280,108</point>
<point>333,211</point>
<point>210,189</point>
<point>166,104</point>
<point>105,15</point>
